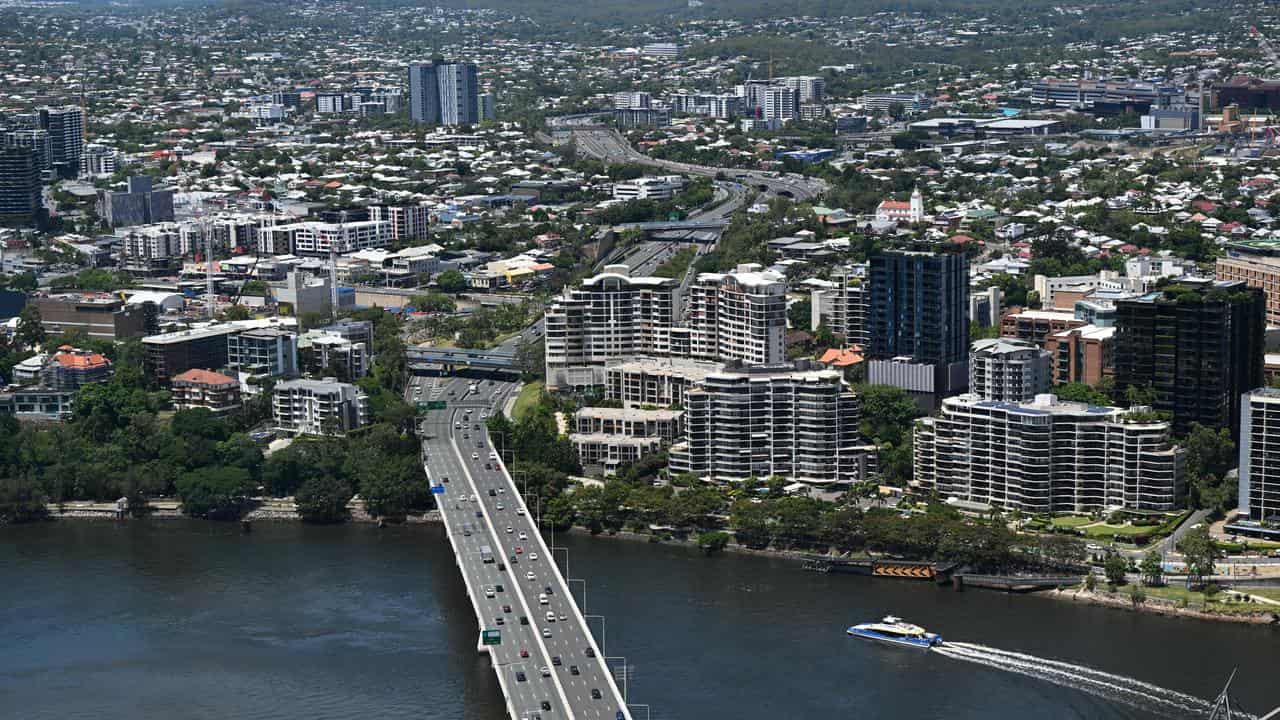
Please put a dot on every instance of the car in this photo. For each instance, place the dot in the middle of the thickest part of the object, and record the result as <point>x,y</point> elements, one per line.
<point>510,529</point>
<point>476,426</point>
<point>533,556</point>
<point>595,693</point>
<point>488,592</point>
<point>589,652</point>
<point>514,560</point>
<point>499,588</point>
<point>466,532</point>
<point>444,479</point>
<point>453,392</point>
<point>501,490</point>
<point>524,536</point>
<point>479,444</point>
<point>487,466</point>
<point>524,619</point>
<point>502,567</point>
<point>563,618</point>
<point>501,507</point>
<point>506,609</point>
<point>555,660</point>
<point>547,590</point>
<point>573,670</point>
<point>492,492</point>
<point>493,455</point>
<point>475,456</point>
<point>542,599</point>
<point>520,511</point>
<point>499,621</point>
<point>551,617</point>
<point>546,671</point>
<point>457,426</point>
<point>466,436</point>
<point>473,498</point>
<point>546,632</point>
<point>519,549</point>
<point>524,653</point>
<point>519,676</point>
<point>546,705</point>
<point>529,576</point>
<point>479,513</point>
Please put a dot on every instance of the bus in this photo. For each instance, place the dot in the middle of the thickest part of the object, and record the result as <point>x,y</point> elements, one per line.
<point>486,554</point>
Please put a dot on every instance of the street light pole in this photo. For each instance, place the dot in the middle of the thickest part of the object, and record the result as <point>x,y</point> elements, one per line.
<point>604,635</point>
<point>584,587</point>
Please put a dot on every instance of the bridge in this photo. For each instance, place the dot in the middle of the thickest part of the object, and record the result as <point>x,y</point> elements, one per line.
<point>547,662</point>
<point>422,358</point>
<point>674,225</point>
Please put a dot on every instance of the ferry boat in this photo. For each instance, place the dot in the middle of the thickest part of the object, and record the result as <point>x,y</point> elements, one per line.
<point>893,630</point>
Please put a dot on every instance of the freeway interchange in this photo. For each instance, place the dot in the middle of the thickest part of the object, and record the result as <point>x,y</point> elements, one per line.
<point>547,661</point>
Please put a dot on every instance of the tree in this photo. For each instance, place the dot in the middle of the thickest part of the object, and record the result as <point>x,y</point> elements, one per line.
<point>1081,392</point>
<point>451,281</point>
<point>1137,595</point>
<point>30,333</point>
<point>1115,569</point>
<point>798,315</point>
<point>217,493</point>
<point>1210,456</point>
<point>1151,569</point>
<point>713,542</point>
<point>1090,581</point>
<point>1200,553</point>
<point>323,499</point>
<point>21,500</point>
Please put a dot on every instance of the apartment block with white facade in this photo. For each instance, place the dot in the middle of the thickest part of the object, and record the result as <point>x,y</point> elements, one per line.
<point>610,317</point>
<point>319,407</point>
<point>649,188</point>
<point>842,305</point>
<point>319,238</point>
<point>1009,370</point>
<point>789,420</point>
<point>1260,456</point>
<point>406,221</point>
<point>741,315</point>
<point>655,381</point>
<point>1047,456</point>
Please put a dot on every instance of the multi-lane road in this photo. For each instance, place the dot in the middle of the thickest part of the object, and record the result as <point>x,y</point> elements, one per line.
<point>607,144</point>
<point>547,662</point>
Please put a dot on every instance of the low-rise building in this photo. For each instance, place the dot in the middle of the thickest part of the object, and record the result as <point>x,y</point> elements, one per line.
<point>206,389</point>
<point>98,317</point>
<point>71,368</point>
<point>319,407</point>
<point>607,438</point>
<point>271,352</point>
<point>1082,354</point>
<point>38,404</point>
<point>1047,456</point>
<point>171,354</point>
<point>1037,325</point>
<point>661,382</point>
<point>327,353</point>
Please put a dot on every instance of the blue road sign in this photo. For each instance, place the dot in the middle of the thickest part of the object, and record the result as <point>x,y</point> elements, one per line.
<point>437,489</point>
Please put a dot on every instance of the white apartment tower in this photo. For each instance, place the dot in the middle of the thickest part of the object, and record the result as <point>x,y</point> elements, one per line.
<point>1009,370</point>
<point>1047,456</point>
<point>842,305</point>
<point>319,407</point>
<point>740,316</point>
<point>1260,455</point>
<point>786,420</point>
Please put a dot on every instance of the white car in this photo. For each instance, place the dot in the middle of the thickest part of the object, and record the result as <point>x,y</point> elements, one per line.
<point>488,592</point>
<point>562,617</point>
<point>520,511</point>
<point>510,529</point>
<point>533,556</point>
<point>524,536</point>
<point>500,507</point>
<point>546,632</point>
<point>475,456</point>
<point>529,576</point>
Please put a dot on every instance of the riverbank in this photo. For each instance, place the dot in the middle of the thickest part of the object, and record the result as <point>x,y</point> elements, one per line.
<point>267,509</point>
<point>1158,606</point>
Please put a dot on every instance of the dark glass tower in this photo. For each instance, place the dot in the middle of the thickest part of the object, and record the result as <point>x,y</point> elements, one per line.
<point>918,308</point>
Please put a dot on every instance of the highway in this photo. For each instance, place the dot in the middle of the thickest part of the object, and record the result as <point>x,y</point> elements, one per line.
<point>460,458</point>
<point>606,144</point>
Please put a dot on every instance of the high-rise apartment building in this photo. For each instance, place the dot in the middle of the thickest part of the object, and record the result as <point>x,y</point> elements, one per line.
<point>38,142</point>
<point>264,351</point>
<point>1260,271</point>
<point>319,238</point>
<point>780,103</point>
<point>1008,370</point>
<point>1260,456</point>
<point>443,93</point>
<point>741,315</point>
<point>843,304</point>
<point>319,407</point>
<point>406,221</point>
<point>1197,346</point>
<point>1047,456</point>
<point>19,186</point>
<point>65,126</point>
<point>809,88</point>
<point>612,316</point>
<point>791,421</point>
<point>918,318</point>
<point>139,204</point>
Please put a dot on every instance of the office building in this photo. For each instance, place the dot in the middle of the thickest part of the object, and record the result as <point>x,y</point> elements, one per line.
<point>19,186</point>
<point>1109,96</point>
<point>150,249</point>
<point>206,389</point>
<point>842,305</point>
<point>610,317</point>
<point>917,318</point>
<point>646,117</point>
<point>886,103</point>
<point>985,306</point>
<point>337,103</point>
<point>1196,345</point>
<point>319,407</point>
<point>665,50</point>
<point>172,354</point>
<point>1046,456</point>
<point>788,420</point>
<point>661,382</point>
<point>648,188</point>
<point>1084,354</point>
<point>1255,270</point>
<point>1249,93</point>
<point>65,126</point>
<point>97,317</point>
<point>740,315</point>
<point>139,204</point>
<point>1008,370</point>
<point>269,352</point>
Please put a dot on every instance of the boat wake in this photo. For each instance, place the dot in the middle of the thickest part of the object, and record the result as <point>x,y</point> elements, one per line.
<point>1130,691</point>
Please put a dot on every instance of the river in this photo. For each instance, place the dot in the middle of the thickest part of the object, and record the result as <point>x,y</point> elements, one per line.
<point>179,619</point>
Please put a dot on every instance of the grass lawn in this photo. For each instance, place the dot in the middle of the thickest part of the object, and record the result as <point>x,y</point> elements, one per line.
<point>1217,603</point>
<point>1102,530</point>
<point>1070,521</point>
<point>527,398</point>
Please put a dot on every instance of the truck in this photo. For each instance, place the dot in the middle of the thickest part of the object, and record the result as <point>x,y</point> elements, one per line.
<point>486,554</point>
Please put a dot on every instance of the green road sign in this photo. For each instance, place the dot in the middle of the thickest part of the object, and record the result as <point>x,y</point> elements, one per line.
<point>491,637</point>
<point>435,404</point>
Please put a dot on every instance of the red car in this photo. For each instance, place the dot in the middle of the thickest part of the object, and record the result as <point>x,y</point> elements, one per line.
<point>524,653</point>
<point>519,550</point>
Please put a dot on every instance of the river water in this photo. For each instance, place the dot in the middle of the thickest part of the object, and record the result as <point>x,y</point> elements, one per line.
<point>177,619</point>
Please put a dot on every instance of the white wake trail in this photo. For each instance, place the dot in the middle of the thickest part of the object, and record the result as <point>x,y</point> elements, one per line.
<point>1130,691</point>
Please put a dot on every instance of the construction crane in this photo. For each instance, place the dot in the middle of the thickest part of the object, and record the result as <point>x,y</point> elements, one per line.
<point>1268,52</point>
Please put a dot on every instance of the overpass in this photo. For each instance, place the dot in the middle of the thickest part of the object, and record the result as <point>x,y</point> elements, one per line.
<point>547,662</point>
<point>674,225</point>
<point>499,358</point>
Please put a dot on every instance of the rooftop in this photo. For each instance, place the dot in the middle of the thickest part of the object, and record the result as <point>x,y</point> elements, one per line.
<point>196,376</point>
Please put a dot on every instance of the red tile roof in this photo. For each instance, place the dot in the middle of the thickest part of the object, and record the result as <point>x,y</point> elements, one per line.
<point>204,377</point>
